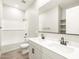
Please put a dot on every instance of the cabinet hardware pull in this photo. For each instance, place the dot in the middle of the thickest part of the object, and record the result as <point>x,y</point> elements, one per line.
<point>33,50</point>
<point>0,27</point>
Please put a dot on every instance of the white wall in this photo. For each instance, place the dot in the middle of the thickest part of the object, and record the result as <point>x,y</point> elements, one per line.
<point>1,9</point>
<point>72,20</point>
<point>49,20</point>
<point>33,20</point>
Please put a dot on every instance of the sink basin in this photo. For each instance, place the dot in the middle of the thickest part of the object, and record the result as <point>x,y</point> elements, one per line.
<point>61,48</point>
<point>46,42</point>
<point>57,46</point>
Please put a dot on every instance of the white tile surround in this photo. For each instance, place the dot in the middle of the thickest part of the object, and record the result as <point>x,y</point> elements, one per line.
<point>12,37</point>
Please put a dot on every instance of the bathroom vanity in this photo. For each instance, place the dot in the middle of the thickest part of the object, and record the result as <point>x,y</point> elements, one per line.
<point>48,49</point>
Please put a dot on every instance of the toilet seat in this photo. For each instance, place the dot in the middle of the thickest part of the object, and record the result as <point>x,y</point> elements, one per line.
<point>24,45</point>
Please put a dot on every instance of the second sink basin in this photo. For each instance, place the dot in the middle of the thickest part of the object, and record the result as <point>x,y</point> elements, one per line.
<point>61,48</point>
<point>56,46</point>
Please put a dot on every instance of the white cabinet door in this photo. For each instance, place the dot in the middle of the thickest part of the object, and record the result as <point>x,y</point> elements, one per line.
<point>46,56</point>
<point>35,53</point>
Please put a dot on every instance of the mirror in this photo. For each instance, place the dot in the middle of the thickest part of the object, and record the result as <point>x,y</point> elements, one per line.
<point>61,19</point>
<point>49,20</point>
<point>72,20</point>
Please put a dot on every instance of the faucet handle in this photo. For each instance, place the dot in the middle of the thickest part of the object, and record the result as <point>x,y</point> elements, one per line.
<point>62,38</point>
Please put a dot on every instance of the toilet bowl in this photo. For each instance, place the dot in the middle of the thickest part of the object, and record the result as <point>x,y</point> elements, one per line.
<point>24,48</point>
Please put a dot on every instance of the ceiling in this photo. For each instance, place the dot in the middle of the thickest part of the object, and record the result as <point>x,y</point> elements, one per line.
<point>18,3</point>
<point>51,3</point>
<point>68,3</point>
<point>63,3</point>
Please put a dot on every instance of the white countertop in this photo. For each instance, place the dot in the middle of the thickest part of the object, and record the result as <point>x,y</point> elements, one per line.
<point>71,53</point>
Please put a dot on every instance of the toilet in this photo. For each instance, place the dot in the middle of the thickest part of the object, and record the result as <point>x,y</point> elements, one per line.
<point>24,48</point>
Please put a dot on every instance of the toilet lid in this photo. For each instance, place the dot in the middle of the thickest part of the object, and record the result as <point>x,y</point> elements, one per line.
<point>24,45</point>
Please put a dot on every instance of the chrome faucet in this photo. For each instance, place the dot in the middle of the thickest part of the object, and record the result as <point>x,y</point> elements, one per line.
<point>63,42</point>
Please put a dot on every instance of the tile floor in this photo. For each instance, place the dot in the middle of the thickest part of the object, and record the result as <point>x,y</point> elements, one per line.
<point>15,55</point>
